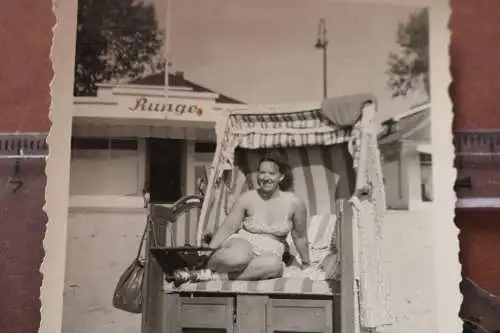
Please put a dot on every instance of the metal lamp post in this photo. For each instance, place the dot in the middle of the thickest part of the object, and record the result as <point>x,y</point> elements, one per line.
<point>322,44</point>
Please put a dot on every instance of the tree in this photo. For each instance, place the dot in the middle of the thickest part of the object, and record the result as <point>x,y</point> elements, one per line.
<point>409,68</point>
<point>116,39</point>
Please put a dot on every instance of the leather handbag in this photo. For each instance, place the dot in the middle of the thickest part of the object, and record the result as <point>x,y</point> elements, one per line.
<point>128,295</point>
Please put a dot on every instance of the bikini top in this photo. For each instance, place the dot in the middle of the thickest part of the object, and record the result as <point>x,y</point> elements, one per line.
<point>259,225</point>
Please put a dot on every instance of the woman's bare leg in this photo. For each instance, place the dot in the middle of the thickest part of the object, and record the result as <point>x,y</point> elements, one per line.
<point>265,266</point>
<point>233,256</point>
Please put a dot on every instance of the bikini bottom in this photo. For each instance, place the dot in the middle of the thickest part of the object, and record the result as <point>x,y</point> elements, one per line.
<point>261,243</point>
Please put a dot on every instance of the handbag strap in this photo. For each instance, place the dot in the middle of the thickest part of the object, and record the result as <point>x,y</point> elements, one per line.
<point>141,244</point>
<point>149,224</point>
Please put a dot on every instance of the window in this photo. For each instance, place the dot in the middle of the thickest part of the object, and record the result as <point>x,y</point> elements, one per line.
<point>105,166</point>
<point>425,159</point>
<point>426,177</point>
<point>205,147</point>
<point>79,144</point>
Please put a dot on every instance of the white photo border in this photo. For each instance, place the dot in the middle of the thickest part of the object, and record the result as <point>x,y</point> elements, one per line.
<point>446,264</point>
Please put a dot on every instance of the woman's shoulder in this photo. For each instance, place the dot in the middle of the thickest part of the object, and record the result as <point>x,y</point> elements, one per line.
<point>294,199</point>
<point>291,195</point>
<point>245,200</point>
<point>248,195</point>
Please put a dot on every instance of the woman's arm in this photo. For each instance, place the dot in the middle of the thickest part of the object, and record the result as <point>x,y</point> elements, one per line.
<point>299,231</point>
<point>231,224</point>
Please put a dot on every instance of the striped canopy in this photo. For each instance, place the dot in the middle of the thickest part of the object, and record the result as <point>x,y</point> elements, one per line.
<point>296,126</point>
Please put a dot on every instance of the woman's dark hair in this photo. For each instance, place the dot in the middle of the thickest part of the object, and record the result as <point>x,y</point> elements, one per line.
<point>283,167</point>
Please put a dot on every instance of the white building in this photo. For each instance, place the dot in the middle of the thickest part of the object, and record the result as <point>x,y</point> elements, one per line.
<point>405,145</point>
<point>127,137</point>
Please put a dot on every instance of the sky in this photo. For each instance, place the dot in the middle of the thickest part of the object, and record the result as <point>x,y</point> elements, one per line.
<point>262,52</point>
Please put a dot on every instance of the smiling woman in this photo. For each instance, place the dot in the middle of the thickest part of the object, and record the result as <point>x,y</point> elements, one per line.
<point>251,243</point>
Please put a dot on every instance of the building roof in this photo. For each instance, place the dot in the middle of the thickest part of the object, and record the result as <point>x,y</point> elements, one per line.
<point>178,80</point>
<point>412,126</point>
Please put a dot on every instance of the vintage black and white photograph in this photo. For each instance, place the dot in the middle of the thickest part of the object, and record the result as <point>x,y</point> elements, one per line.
<point>250,166</point>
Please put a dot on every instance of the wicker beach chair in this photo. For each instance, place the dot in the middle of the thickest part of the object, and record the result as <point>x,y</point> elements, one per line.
<point>333,153</point>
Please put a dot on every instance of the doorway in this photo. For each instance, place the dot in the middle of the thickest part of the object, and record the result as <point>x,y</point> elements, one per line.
<point>165,174</point>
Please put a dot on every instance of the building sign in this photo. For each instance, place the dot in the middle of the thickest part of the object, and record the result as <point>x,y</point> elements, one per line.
<point>148,106</point>
<point>143,104</point>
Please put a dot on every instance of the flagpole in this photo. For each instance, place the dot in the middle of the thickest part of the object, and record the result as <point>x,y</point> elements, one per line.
<point>167,44</point>
<point>151,303</point>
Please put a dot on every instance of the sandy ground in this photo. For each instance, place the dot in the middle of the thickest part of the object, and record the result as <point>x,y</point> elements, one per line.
<point>407,252</point>
<point>100,245</point>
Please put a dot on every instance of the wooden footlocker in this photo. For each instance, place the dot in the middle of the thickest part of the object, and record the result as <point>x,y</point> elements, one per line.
<point>270,314</point>
<point>299,315</point>
<point>198,314</point>
<point>247,314</point>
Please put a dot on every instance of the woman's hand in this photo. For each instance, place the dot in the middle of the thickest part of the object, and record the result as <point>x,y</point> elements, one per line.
<point>305,265</point>
<point>207,239</point>
<point>299,232</point>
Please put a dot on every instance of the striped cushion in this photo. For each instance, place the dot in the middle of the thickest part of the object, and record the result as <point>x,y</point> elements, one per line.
<point>321,238</point>
<point>299,286</point>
